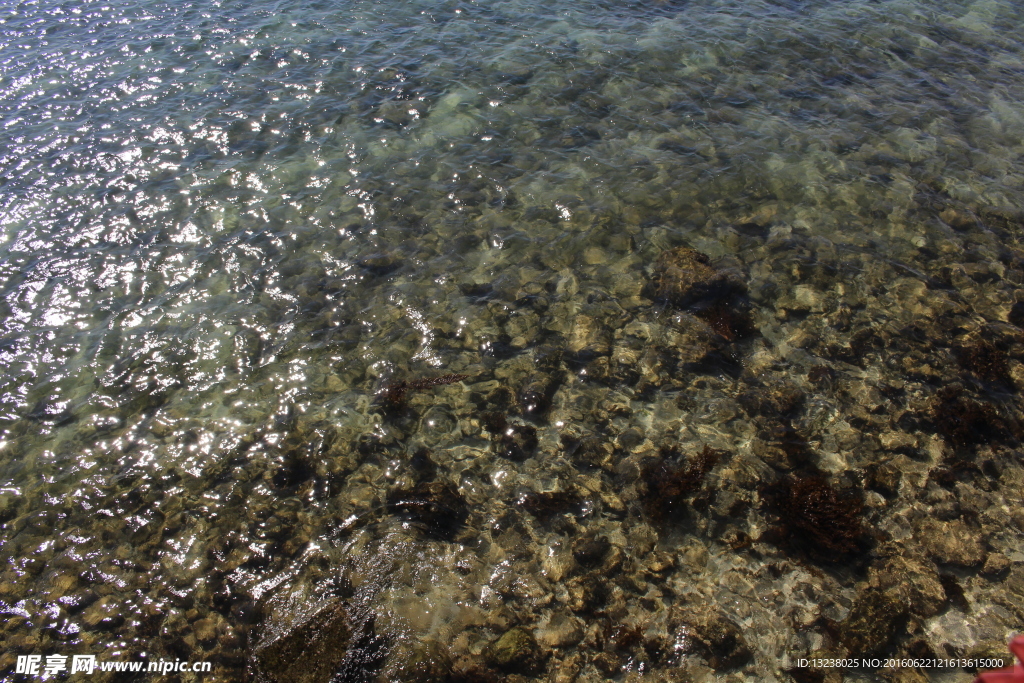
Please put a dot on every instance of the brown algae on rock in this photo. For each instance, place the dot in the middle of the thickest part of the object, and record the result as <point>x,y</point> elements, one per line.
<point>816,518</point>
<point>668,484</point>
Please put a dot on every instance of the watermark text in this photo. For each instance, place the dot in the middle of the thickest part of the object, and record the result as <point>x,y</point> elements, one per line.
<point>51,665</point>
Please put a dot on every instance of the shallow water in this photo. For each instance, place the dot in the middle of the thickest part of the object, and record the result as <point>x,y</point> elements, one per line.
<point>228,230</point>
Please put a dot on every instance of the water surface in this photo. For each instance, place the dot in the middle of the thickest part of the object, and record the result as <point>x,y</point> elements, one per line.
<point>228,229</point>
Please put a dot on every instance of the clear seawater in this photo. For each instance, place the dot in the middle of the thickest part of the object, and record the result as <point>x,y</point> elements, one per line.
<point>226,227</point>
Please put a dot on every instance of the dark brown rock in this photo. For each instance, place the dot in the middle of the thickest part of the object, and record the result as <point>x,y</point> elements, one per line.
<point>780,445</point>
<point>996,566</point>
<point>380,264</point>
<point>608,663</point>
<point>588,451</point>
<point>517,442</point>
<point>311,650</point>
<point>434,506</point>
<point>473,669</point>
<point>392,396</point>
<point>427,662</point>
<point>590,551</point>
<point>985,361</point>
<point>874,621</point>
<point>729,319</point>
<point>684,276</point>
<point>1016,314</point>
<point>586,593</point>
<point>536,393</point>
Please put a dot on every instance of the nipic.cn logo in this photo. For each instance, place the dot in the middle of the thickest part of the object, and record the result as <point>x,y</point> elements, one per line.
<point>51,665</point>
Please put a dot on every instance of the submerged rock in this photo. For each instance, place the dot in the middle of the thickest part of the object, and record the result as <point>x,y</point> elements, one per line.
<point>669,484</point>
<point>684,276</point>
<point>952,543</point>
<point>517,442</point>
<point>883,477</point>
<point>816,518</point>
<point>729,319</point>
<point>985,361</point>
<point>781,445</point>
<point>434,506</point>
<point>325,644</point>
<point>590,551</point>
<point>588,451</point>
<point>706,632</point>
<point>779,401</point>
<point>516,650</point>
<point>380,264</point>
<point>916,580</point>
<point>547,504</point>
<point>424,663</point>
<point>562,630</point>
<point>586,593</point>
<point>689,342</point>
<point>473,669</point>
<point>964,421</point>
<point>873,622</point>
<point>1016,314</point>
<point>393,396</point>
<point>309,652</point>
<point>422,465</point>
<point>588,339</point>
<point>536,394</point>
<point>996,565</point>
